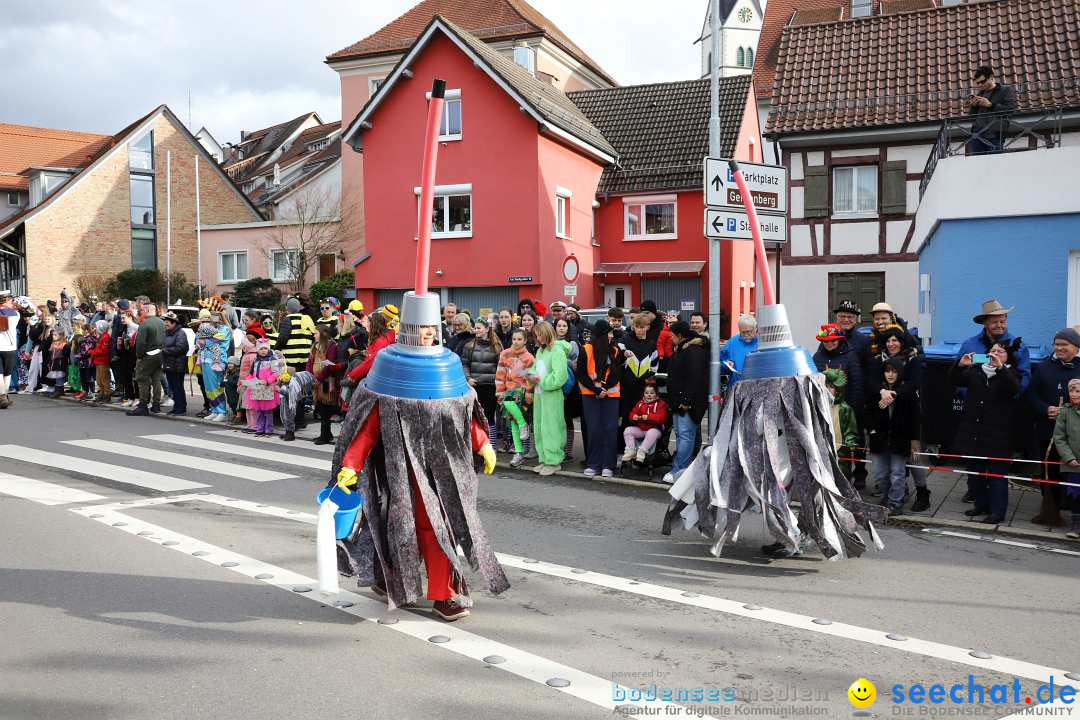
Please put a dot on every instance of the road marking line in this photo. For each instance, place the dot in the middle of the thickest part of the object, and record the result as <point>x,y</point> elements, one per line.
<point>1002,541</point>
<point>233,449</point>
<point>117,473</point>
<point>584,686</point>
<point>219,467</point>
<point>43,492</point>
<point>300,442</point>
<point>915,646</point>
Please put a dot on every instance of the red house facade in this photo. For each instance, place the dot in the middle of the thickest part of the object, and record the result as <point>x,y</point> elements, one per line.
<point>528,175</point>
<point>650,219</point>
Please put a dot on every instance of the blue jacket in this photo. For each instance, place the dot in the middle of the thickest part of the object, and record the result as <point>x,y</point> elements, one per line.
<point>981,344</point>
<point>736,349</point>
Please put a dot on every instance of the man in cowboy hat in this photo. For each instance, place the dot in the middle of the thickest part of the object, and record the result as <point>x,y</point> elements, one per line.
<point>995,321</point>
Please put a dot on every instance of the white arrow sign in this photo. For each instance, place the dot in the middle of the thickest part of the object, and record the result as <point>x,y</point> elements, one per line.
<point>729,225</point>
<point>767,184</point>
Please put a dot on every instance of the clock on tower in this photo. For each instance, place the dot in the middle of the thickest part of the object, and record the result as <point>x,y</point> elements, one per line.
<point>745,14</point>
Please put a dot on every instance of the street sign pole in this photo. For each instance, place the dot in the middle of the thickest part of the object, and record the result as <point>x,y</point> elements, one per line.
<point>714,243</point>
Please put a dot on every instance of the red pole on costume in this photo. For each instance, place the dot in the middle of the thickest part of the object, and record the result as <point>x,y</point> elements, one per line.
<point>755,230</point>
<point>427,184</point>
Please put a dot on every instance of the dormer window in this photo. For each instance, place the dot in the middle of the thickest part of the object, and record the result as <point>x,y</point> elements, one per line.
<point>249,186</point>
<point>277,174</point>
<point>318,145</point>
<point>862,8</point>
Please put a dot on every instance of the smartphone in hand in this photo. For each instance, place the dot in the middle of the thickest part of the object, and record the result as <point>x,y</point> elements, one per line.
<point>980,359</point>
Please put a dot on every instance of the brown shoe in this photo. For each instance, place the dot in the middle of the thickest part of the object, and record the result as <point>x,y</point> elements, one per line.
<point>449,610</point>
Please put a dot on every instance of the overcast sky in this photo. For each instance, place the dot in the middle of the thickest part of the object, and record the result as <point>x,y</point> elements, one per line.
<point>97,65</point>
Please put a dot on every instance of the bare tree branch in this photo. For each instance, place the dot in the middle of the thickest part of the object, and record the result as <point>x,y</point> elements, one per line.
<point>311,225</point>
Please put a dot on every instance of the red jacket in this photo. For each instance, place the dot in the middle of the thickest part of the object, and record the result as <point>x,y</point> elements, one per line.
<point>656,412</point>
<point>100,354</point>
<point>665,344</point>
<point>361,371</point>
<point>368,435</point>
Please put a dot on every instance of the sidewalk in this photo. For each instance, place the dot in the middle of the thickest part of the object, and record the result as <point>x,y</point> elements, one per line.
<point>946,489</point>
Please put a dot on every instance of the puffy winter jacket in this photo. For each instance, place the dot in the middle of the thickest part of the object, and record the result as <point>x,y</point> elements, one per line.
<point>100,354</point>
<point>688,377</point>
<point>986,425</point>
<point>513,372</point>
<point>175,350</point>
<point>380,343</point>
<point>480,361</point>
<point>847,359</point>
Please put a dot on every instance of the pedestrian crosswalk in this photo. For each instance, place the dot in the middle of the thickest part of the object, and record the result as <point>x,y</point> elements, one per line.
<point>105,471</point>
<point>43,492</point>
<point>234,449</point>
<point>180,460</point>
<point>66,471</point>
<point>303,443</point>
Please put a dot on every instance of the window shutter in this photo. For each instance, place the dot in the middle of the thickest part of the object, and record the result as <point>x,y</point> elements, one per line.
<point>816,191</point>
<point>894,188</point>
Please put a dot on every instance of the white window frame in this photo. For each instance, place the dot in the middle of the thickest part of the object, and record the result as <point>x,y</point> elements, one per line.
<point>373,84</point>
<point>562,212</point>
<point>274,253</point>
<point>593,224</point>
<point>13,195</point>
<point>222,280</point>
<point>852,212</point>
<point>450,97</point>
<point>649,200</point>
<point>464,189</point>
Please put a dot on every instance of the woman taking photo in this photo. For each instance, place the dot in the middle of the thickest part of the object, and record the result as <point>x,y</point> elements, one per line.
<point>986,426</point>
<point>599,370</point>
<point>480,360</point>
<point>549,376</point>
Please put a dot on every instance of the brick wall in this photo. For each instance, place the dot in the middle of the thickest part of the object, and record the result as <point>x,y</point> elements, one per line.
<point>87,229</point>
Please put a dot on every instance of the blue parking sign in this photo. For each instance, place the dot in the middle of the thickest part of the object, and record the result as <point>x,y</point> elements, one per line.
<point>731,224</point>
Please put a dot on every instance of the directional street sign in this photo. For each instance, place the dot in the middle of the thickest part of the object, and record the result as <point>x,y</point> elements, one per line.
<point>767,183</point>
<point>731,225</point>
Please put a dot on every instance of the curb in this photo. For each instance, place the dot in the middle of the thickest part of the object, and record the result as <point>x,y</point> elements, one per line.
<point>920,520</point>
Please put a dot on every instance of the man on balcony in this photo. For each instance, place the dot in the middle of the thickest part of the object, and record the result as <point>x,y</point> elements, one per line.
<point>990,106</point>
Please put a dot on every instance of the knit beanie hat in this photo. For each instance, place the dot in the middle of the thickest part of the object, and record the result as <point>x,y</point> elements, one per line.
<point>1074,381</point>
<point>123,304</point>
<point>292,305</point>
<point>1070,336</point>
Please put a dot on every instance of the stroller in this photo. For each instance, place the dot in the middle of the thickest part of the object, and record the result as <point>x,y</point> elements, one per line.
<point>659,458</point>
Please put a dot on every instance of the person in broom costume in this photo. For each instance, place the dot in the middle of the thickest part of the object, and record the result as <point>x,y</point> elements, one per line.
<point>408,444</point>
<point>773,444</point>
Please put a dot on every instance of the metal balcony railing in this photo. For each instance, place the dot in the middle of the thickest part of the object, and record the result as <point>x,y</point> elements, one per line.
<point>1012,133</point>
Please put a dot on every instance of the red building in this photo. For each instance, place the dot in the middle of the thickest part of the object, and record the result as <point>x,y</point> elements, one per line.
<point>528,174</point>
<point>650,218</point>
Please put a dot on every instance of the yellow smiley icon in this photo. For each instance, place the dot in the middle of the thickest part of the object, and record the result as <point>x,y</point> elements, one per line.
<point>862,693</point>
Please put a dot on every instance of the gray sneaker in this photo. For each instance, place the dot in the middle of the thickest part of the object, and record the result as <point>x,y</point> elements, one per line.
<point>517,460</point>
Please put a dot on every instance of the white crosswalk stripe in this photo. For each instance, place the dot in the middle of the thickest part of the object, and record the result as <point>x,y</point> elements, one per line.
<point>303,444</point>
<point>43,492</point>
<point>232,449</point>
<point>116,473</point>
<point>214,466</point>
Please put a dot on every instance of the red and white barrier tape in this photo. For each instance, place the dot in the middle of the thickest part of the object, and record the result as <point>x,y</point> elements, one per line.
<point>957,471</point>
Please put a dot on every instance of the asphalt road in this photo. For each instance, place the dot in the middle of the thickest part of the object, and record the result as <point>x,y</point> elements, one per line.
<point>100,621</point>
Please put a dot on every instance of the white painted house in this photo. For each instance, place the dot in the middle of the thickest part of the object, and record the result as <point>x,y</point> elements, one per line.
<point>857,149</point>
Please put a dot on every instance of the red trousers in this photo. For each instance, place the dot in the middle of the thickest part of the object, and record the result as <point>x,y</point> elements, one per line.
<point>439,586</point>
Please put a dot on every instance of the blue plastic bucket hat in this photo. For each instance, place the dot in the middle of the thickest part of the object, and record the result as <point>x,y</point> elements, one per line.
<point>348,506</point>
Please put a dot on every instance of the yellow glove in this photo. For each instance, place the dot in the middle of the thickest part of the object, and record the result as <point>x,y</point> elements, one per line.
<point>284,377</point>
<point>346,478</point>
<point>488,453</point>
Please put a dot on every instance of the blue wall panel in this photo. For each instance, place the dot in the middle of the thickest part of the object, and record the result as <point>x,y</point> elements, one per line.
<point>1021,261</point>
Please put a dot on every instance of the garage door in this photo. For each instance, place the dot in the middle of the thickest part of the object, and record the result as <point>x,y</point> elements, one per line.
<point>474,299</point>
<point>389,297</point>
<point>672,293</point>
